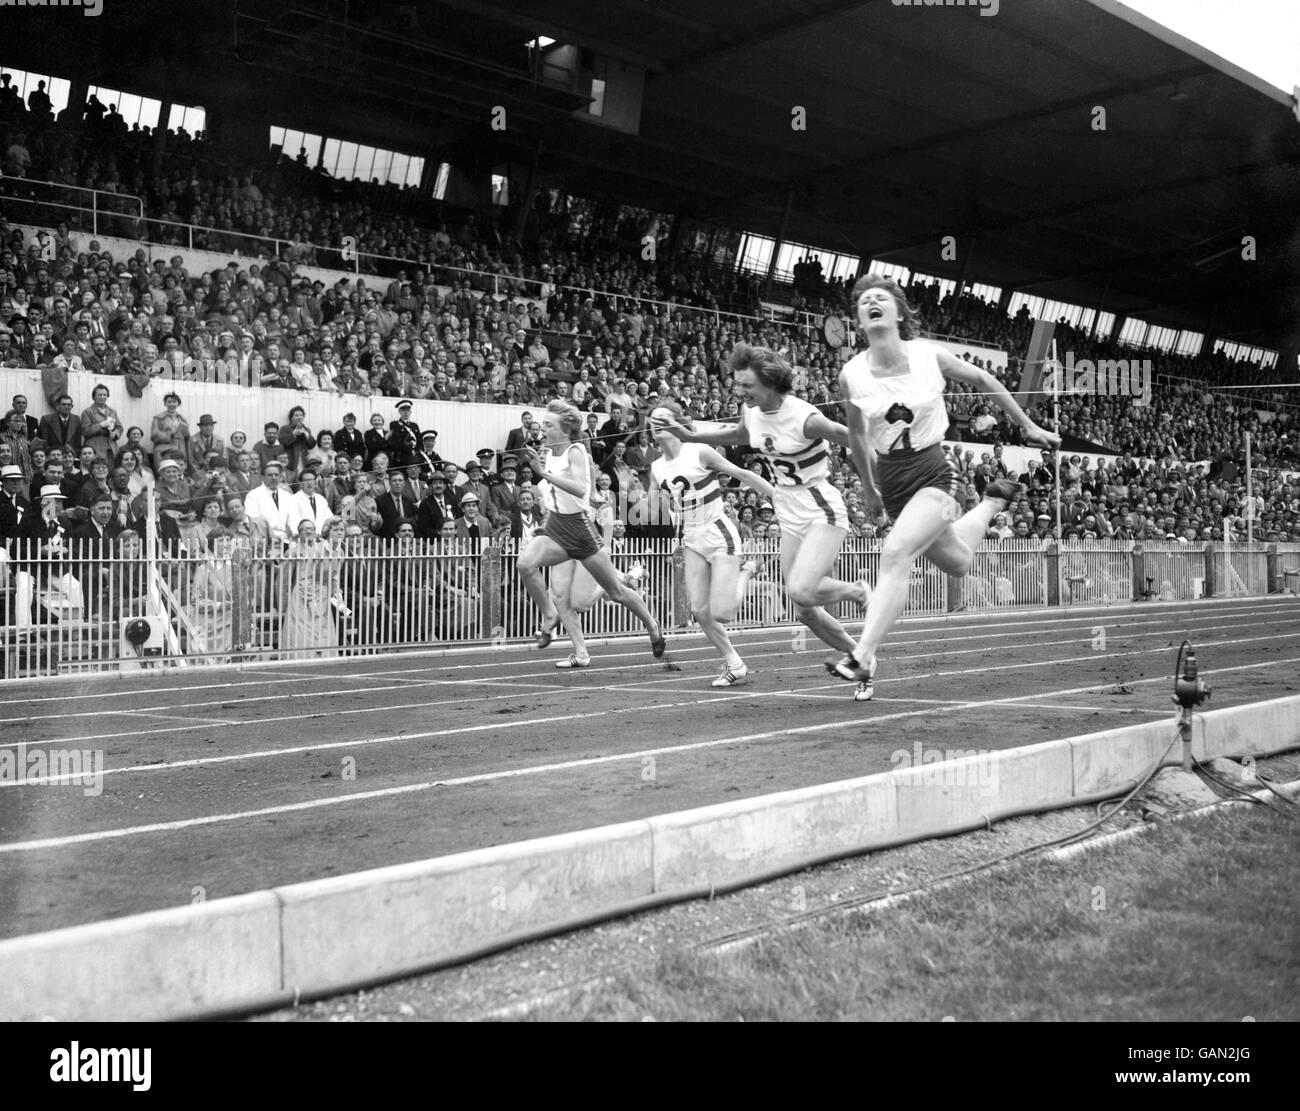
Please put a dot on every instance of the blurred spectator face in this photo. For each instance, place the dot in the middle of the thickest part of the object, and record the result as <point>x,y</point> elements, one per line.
<point>447,531</point>
<point>87,458</point>
<point>306,531</point>
<point>380,464</point>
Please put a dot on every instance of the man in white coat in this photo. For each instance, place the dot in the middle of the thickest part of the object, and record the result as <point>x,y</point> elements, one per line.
<point>309,504</point>
<point>270,506</point>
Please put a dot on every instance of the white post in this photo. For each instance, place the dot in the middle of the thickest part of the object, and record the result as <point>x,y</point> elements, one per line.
<point>1056,416</point>
<point>1250,500</point>
<point>1227,556</point>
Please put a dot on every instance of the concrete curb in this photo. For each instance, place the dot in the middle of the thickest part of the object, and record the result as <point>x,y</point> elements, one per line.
<point>312,938</point>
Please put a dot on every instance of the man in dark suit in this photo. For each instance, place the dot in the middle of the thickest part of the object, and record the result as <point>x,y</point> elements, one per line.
<point>403,438</point>
<point>435,509</point>
<point>14,507</point>
<point>92,544</point>
<point>395,507</point>
<point>428,458</point>
<point>519,436</point>
<point>32,425</point>
<point>61,429</point>
<point>505,494</point>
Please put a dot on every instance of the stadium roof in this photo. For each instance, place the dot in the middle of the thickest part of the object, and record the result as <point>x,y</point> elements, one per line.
<point>922,122</point>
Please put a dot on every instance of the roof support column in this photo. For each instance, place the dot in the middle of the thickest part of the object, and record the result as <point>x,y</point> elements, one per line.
<point>780,238</point>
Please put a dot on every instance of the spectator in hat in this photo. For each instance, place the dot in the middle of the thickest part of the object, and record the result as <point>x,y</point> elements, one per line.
<point>42,541</point>
<point>474,484</point>
<point>173,493</point>
<point>203,445</point>
<point>14,505</point>
<point>429,460</point>
<point>487,460</point>
<point>170,432</point>
<point>472,524</point>
<point>403,437</point>
<point>505,494</point>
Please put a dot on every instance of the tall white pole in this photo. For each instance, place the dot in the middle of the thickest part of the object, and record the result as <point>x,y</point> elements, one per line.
<point>1056,416</point>
<point>1250,499</point>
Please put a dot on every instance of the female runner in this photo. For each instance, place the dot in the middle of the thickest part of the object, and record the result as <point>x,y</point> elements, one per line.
<point>897,421</point>
<point>575,592</point>
<point>791,435</point>
<point>568,533</point>
<point>715,579</point>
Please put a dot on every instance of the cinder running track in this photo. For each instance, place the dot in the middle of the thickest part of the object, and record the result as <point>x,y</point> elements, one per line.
<point>230,781</point>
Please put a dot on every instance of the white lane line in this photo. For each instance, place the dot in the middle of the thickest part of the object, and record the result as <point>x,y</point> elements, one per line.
<point>537,769</point>
<point>1038,619</point>
<point>398,738</point>
<point>1109,655</point>
<point>172,717</point>
<point>744,696</point>
<point>549,689</point>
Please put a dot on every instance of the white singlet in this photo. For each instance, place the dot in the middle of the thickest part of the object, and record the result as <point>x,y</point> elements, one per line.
<point>921,417</point>
<point>561,501</point>
<point>795,459</point>
<point>694,488</point>
<point>804,494</point>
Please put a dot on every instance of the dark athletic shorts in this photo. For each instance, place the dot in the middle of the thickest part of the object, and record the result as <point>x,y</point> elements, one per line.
<point>903,474</point>
<point>574,532</point>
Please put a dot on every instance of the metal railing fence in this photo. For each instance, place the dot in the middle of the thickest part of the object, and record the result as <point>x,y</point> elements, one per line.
<point>72,604</point>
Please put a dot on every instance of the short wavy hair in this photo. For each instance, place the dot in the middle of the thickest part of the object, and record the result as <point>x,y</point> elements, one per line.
<point>768,367</point>
<point>909,321</point>
<point>570,417</point>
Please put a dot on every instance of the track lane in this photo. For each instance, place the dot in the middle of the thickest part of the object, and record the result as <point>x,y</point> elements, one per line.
<point>418,796</point>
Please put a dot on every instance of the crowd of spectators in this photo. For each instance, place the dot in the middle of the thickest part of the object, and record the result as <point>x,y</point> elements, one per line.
<point>563,319</point>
